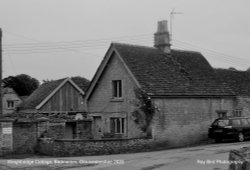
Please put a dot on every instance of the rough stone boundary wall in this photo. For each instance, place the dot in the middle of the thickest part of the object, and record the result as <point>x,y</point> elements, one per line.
<point>93,147</point>
<point>240,159</point>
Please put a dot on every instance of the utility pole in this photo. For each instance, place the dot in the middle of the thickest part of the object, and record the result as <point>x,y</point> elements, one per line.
<point>172,13</point>
<point>1,69</point>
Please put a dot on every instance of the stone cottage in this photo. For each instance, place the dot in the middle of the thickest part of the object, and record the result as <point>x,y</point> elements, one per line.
<point>10,100</point>
<point>169,95</point>
<point>239,81</point>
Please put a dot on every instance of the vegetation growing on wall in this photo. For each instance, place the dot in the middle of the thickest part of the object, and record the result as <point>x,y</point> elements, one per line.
<point>145,110</point>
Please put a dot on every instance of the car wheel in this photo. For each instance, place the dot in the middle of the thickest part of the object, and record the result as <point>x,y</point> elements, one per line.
<point>241,137</point>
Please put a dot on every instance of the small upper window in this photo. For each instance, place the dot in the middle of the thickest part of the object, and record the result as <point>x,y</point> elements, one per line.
<point>117,88</point>
<point>10,104</point>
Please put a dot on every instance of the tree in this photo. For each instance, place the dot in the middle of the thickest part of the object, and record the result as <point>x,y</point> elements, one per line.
<point>23,84</point>
<point>248,70</point>
<point>47,80</point>
<point>232,69</point>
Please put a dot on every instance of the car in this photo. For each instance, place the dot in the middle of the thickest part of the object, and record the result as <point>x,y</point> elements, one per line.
<point>230,128</point>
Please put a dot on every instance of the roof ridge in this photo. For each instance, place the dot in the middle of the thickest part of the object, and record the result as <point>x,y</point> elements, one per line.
<point>190,51</point>
<point>133,45</point>
<point>153,48</point>
<point>225,69</point>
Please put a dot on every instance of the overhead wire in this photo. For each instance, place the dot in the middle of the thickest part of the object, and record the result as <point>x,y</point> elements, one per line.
<point>69,46</point>
<point>83,46</point>
<point>214,55</point>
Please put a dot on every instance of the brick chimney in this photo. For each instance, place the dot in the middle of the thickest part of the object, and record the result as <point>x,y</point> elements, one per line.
<point>161,37</point>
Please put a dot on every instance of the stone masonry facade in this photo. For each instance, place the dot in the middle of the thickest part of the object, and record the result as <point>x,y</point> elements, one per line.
<point>180,121</point>
<point>102,104</point>
<point>93,147</point>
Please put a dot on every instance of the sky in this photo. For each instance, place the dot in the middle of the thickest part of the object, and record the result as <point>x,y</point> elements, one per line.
<point>52,39</point>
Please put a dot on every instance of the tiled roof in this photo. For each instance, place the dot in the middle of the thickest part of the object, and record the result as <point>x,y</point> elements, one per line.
<point>181,73</point>
<point>239,81</point>
<point>47,88</point>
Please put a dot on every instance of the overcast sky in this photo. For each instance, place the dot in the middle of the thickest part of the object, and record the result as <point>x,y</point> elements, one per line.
<point>51,39</point>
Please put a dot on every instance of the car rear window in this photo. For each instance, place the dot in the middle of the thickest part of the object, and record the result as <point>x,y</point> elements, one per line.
<point>236,122</point>
<point>221,123</point>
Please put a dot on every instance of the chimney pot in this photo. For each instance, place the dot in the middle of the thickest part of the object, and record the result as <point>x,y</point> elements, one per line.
<point>161,37</point>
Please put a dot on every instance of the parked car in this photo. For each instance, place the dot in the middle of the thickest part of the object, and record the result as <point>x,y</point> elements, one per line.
<point>230,128</point>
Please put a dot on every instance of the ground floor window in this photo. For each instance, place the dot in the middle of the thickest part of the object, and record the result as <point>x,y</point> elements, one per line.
<point>117,125</point>
<point>221,113</point>
<point>237,113</point>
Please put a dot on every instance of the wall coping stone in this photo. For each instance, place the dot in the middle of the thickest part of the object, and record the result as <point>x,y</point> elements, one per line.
<point>99,140</point>
<point>7,120</point>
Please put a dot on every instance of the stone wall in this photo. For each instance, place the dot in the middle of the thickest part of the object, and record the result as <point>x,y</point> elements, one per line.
<point>185,121</point>
<point>239,159</point>
<point>83,130</point>
<point>93,147</point>
<point>24,137</point>
<point>56,130</point>
<point>6,137</point>
<point>243,103</point>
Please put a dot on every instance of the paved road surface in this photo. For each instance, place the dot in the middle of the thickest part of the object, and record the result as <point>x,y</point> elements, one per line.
<point>206,157</point>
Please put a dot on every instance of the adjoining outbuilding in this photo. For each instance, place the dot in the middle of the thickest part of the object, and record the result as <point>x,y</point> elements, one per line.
<point>55,110</point>
<point>239,82</point>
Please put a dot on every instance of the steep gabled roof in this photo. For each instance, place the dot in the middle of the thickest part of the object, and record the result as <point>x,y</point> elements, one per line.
<point>43,93</point>
<point>239,81</point>
<point>181,73</point>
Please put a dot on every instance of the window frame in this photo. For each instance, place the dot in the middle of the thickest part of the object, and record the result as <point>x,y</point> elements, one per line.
<point>119,125</point>
<point>237,113</point>
<point>12,105</point>
<point>117,89</point>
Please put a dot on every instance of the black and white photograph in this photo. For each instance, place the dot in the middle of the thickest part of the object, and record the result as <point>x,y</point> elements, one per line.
<point>124,85</point>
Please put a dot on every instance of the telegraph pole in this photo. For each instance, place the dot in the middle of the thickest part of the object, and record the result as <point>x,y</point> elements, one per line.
<point>1,69</point>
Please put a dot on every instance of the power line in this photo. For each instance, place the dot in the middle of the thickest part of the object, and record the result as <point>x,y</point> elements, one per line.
<point>26,48</point>
<point>82,46</point>
<point>77,41</point>
<point>214,54</point>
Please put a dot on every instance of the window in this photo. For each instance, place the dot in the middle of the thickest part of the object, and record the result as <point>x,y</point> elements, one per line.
<point>221,114</point>
<point>237,113</point>
<point>117,88</point>
<point>117,125</point>
<point>10,104</point>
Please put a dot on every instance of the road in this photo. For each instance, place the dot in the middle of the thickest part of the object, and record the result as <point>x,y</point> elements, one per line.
<point>206,157</point>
